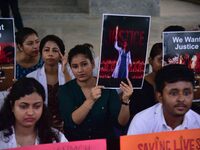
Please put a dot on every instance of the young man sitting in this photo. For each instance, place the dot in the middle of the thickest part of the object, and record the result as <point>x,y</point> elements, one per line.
<point>174,89</point>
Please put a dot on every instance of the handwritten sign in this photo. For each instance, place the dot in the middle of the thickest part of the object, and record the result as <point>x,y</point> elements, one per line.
<point>176,140</point>
<point>78,145</point>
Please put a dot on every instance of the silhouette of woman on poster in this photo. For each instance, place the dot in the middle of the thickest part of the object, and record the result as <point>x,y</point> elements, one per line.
<point>124,59</point>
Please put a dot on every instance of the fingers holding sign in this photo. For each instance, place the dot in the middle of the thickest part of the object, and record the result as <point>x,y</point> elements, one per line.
<point>127,89</point>
<point>96,92</point>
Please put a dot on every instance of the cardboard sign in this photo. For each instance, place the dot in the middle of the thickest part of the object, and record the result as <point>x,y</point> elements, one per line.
<point>173,140</point>
<point>123,49</point>
<point>7,53</point>
<point>78,145</point>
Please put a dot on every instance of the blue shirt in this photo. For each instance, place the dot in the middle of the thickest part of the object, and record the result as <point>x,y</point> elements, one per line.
<point>22,72</point>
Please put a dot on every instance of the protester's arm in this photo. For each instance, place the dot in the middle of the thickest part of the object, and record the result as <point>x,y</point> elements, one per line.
<point>124,114</point>
<point>81,113</point>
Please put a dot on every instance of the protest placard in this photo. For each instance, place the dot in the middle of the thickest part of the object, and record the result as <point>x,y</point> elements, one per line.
<point>123,49</point>
<point>183,47</point>
<point>7,53</point>
<point>76,145</point>
<point>172,140</point>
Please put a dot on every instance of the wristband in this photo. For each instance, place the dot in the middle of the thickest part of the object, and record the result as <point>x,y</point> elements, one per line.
<point>126,103</point>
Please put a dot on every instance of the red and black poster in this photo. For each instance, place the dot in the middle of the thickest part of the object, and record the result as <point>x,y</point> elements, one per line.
<point>123,49</point>
<point>183,47</point>
<point>7,52</point>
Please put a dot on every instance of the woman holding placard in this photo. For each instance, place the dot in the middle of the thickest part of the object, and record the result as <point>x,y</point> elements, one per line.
<point>90,111</point>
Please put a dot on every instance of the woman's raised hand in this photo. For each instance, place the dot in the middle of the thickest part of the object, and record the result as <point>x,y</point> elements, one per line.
<point>64,59</point>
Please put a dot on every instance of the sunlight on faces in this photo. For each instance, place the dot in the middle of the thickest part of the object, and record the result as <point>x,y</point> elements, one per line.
<point>28,110</point>
<point>176,98</point>
<point>50,53</point>
<point>82,67</point>
<point>30,46</point>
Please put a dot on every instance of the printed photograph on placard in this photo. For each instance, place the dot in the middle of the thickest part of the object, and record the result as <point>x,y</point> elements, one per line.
<point>124,40</point>
<point>184,48</point>
<point>7,53</point>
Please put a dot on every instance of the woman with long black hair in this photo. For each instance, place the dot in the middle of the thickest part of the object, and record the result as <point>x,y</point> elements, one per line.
<point>24,117</point>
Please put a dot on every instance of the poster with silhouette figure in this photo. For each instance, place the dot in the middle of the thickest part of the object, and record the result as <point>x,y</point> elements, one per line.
<point>183,47</point>
<point>124,41</point>
<point>7,53</point>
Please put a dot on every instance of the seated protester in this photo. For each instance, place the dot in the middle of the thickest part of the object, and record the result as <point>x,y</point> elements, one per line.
<point>145,97</point>
<point>171,28</point>
<point>52,74</point>
<point>90,111</point>
<point>24,117</point>
<point>174,89</point>
<point>27,55</point>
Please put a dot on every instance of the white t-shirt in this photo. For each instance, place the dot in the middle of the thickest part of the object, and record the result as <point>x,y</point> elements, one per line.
<point>10,142</point>
<point>152,120</point>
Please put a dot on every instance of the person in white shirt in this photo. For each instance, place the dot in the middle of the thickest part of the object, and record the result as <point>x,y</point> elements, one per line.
<point>24,117</point>
<point>174,89</point>
<point>52,74</point>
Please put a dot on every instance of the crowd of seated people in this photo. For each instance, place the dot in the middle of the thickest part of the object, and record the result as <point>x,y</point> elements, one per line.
<point>55,97</point>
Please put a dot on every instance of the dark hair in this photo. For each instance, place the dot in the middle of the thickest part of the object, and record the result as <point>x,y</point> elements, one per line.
<point>81,49</point>
<point>55,39</point>
<point>174,28</point>
<point>22,87</point>
<point>173,73</point>
<point>156,50</point>
<point>23,33</point>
